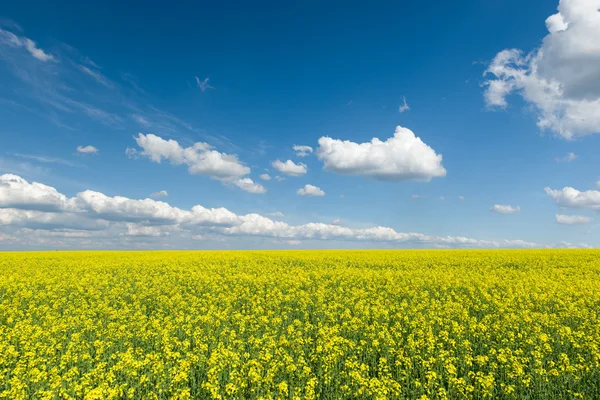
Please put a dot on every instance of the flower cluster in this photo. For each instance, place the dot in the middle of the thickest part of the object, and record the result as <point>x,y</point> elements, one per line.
<point>300,325</point>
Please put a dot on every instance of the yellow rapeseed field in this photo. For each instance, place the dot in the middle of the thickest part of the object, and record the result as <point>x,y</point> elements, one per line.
<point>521,324</point>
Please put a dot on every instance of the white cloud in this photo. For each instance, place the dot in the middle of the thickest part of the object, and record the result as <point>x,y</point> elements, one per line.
<point>568,245</point>
<point>203,84</point>
<point>249,186</point>
<point>505,209</point>
<point>141,230</point>
<point>265,177</point>
<point>572,198</point>
<point>201,159</point>
<point>560,79</point>
<point>279,179</point>
<point>572,219</point>
<point>310,190</point>
<point>50,220</point>
<point>290,168</point>
<point>16,192</point>
<point>276,214</point>
<point>10,39</point>
<point>302,151</point>
<point>404,106</point>
<point>254,224</point>
<point>336,221</point>
<point>37,213</point>
<point>401,157</point>
<point>87,149</point>
<point>570,157</point>
<point>162,193</point>
<point>461,197</point>
<point>124,209</point>
<point>598,184</point>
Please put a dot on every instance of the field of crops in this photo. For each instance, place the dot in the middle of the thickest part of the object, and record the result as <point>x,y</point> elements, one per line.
<point>300,325</point>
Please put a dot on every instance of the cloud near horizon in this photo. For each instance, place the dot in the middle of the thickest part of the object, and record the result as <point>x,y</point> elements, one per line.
<point>31,211</point>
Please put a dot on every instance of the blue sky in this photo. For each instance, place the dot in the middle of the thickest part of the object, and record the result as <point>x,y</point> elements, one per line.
<point>516,131</point>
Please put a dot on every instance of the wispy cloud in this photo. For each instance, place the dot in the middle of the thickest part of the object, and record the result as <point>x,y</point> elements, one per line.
<point>23,168</point>
<point>132,81</point>
<point>141,120</point>
<point>10,25</point>
<point>48,160</point>
<point>570,157</point>
<point>404,106</point>
<point>10,39</point>
<point>101,79</point>
<point>57,87</point>
<point>203,84</point>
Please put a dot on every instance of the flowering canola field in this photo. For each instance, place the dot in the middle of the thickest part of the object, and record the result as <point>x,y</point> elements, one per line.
<point>300,325</point>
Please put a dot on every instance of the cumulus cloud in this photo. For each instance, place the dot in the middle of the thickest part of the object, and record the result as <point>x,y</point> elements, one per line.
<point>29,210</point>
<point>200,158</point>
<point>310,190</point>
<point>302,151</point>
<point>400,158</point>
<point>569,197</point>
<point>265,177</point>
<point>279,178</point>
<point>87,149</point>
<point>16,192</point>
<point>505,209</point>
<point>561,78</point>
<point>162,193</point>
<point>254,224</point>
<point>10,39</point>
<point>572,219</point>
<point>249,186</point>
<point>290,168</point>
<point>13,217</point>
